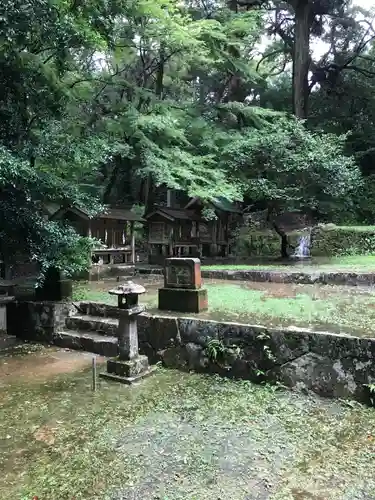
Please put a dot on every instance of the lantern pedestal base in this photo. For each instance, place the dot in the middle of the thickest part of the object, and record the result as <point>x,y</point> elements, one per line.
<point>128,372</point>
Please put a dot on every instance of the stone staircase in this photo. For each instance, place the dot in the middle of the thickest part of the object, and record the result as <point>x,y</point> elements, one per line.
<point>92,328</point>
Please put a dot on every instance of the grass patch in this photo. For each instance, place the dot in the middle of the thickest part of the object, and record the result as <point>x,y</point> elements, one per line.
<point>308,308</point>
<point>83,291</point>
<point>352,262</point>
<point>180,436</point>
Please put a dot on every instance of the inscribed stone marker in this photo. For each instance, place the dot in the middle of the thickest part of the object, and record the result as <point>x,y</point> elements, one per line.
<point>183,273</point>
<point>183,290</point>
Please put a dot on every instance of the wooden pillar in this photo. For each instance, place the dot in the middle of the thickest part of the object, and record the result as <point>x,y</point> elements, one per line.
<point>227,237</point>
<point>127,232</point>
<point>89,236</point>
<point>169,197</point>
<point>132,237</point>
<point>113,242</point>
<point>170,238</point>
<point>215,231</point>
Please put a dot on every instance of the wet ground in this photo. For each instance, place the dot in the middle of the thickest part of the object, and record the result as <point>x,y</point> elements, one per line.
<point>337,309</point>
<point>175,436</point>
<point>33,363</point>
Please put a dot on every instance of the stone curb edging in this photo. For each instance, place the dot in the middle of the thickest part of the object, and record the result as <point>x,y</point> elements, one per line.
<point>330,278</point>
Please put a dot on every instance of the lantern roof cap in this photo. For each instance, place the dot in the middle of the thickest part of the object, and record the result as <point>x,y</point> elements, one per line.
<point>128,288</point>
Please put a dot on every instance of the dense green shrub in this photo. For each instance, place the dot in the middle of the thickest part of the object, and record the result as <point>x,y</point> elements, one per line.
<point>330,240</point>
<point>327,241</point>
<point>259,243</point>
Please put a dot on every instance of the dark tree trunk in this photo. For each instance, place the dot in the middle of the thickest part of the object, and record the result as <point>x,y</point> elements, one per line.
<point>284,241</point>
<point>111,182</point>
<point>301,59</point>
<point>159,88</point>
<point>150,191</point>
<point>283,236</point>
<point>284,247</point>
<point>232,5</point>
<point>159,91</point>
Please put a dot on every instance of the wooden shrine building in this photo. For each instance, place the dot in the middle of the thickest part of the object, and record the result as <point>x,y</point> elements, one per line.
<point>179,232</point>
<point>114,228</point>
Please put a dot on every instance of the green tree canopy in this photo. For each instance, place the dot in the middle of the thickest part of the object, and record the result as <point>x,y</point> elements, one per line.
<point>113,99</point>
<point>286,167</point>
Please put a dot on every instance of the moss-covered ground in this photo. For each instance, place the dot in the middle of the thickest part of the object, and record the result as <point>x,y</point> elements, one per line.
<point>175,436</point>
<point>338,309</point>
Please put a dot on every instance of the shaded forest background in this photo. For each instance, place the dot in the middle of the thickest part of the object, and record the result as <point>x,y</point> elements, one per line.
<point>104,101</point>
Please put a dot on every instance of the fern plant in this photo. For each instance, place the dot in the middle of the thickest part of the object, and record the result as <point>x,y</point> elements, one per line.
<point>215,349</point>
<point>371,391</point>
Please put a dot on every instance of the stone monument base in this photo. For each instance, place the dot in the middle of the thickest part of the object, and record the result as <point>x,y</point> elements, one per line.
<point>128,372</point>
<point>183,300</point>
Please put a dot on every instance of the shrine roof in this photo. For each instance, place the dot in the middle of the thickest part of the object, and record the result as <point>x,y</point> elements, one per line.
<point>109,213</point>
<point>219,203</point>
<point>120,214</point>
<point>174,214</point>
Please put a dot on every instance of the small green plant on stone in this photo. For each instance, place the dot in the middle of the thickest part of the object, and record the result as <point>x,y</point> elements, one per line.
<point>263,336</point>
<point>215,350</point>
<point>269,354</point>
<point>267,350</point>
<point>222,355</point>
<point>371,390</point>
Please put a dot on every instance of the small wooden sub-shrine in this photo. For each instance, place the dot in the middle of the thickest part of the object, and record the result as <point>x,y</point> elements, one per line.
<point>114,228</point>
<point>185,232</point>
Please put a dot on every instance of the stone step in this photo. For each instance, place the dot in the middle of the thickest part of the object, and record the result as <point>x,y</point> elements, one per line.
<point>83,322</point>
<point>7,341</point>
<point>87,341</point>
<point>97,309</point>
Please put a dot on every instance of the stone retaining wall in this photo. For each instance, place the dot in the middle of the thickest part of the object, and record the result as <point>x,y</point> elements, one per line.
<point>330,278</point>
<point>331,365</point>
<point>37,321</point>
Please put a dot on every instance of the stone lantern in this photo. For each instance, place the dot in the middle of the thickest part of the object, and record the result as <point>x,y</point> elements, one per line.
<point>130,366</point>
<point>128,293</point>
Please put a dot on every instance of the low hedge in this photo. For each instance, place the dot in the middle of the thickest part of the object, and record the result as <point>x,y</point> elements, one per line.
<point>327,241</point>
<point>330,240</point>
<point>257,243</point>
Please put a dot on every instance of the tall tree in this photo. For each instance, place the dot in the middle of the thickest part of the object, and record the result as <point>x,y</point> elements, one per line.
<point>296,23</point>
<point>117,98</point>
<point>283,166</point>
<point>168,66</point>
<point>42,41</point>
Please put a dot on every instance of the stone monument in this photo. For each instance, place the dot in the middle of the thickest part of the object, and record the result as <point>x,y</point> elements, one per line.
<point>129,366</point>
<point>183,290</point>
